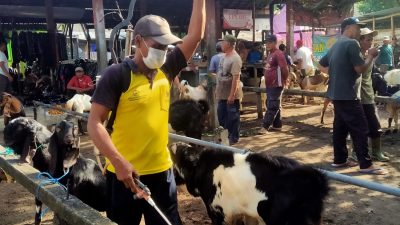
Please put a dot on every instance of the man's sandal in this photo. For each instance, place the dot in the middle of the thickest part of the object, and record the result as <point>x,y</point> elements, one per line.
<point>349,163</point>
<point>374,171</point>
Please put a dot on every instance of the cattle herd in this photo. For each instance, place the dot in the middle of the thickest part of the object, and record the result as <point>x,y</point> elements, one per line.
<point>236,188</point>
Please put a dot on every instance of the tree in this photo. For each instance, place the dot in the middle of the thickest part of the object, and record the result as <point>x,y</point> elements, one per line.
<point>368,6</point>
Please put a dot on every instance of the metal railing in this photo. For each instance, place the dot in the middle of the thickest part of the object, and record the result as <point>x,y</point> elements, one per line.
<point>332,175</point>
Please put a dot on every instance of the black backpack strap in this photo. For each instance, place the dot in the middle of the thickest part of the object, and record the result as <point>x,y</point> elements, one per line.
<point>125,68</point>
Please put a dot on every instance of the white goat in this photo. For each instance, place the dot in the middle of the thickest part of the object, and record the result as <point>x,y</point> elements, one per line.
<point>194,93</point>
<point>394,109</point>
<point>392,77</point>
<point>79,103</point>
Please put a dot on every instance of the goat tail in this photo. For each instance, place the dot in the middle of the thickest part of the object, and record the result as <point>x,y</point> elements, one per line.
<point>204,106</point>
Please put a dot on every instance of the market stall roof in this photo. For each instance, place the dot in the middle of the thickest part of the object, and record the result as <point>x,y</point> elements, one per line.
<point>318,13</point>
<point>177,12</point>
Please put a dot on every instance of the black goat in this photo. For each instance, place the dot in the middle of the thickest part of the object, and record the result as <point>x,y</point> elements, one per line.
<point>188,116</point>
<point>55,154</point>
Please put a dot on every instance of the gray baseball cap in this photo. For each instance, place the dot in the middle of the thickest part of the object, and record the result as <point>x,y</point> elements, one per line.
<point>156,28</point>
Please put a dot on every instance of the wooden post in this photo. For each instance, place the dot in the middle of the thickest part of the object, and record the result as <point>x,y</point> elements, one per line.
<point>254,21</point>
<point>71,41</point>
<point>87,36</point>
<point>289,26</point>
<point>211,38</point>
<point>52,32</point>
<point>392,27</point>
<point>218,20</point>
<point>271,17</point>
<point>99,26</point>
<point>259,106</point>
<point>373,23</point>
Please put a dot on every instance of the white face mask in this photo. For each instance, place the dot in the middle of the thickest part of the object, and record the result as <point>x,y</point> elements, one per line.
<point>155,57</point>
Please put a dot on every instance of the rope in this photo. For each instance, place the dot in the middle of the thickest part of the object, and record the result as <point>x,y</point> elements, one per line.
<point>47,179</point>
<point>7,151</point>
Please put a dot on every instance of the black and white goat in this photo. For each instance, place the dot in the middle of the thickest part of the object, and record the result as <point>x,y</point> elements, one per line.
<point>251,188</point>
<point>188,116</point>
<point>55,153</point>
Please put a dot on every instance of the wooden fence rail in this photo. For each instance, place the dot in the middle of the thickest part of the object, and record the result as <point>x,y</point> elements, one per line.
<point>258,91</point>
<point>72,210</point>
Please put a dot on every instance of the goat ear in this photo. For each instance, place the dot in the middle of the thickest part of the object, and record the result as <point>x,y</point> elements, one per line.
<point>52,128</point>
<point>173,148</point>
<point>57,129</point>
<point>28,153</point>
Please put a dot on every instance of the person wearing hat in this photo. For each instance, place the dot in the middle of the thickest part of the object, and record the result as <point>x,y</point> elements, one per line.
<point>304,59</point>
<point>214,62</point>
<point>345,64</point>
<point>80,83</point>
<point>137,94</point>
<point>5,77</point>
<point>227,89</point>
<point>367,99</point>
<point>276,74</point>
<point>385,56</point>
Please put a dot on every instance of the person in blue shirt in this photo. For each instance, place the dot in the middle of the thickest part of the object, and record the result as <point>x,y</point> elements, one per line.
<point>385,54</point>
<point>214,63</point>
<point>254,55</point>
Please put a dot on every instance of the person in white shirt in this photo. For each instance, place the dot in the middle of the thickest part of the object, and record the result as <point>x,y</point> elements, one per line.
<point>5,77</point>
<point>304,59</point>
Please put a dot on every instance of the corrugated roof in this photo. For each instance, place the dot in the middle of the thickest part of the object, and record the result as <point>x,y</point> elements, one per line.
<point>177,12</point>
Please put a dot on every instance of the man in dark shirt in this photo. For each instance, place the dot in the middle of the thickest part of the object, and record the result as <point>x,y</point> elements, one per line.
<point>140,100</point>
<point>346,64</point>
<point>276,77</point>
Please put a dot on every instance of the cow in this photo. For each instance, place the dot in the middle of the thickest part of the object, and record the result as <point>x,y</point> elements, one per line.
<point>253,188</point>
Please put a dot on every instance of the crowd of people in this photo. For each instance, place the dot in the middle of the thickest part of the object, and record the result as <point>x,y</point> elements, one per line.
<point>349,64</point>
<point>136,92</point>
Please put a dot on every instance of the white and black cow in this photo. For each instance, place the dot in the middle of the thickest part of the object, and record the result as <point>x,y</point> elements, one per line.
<point>251,188</point>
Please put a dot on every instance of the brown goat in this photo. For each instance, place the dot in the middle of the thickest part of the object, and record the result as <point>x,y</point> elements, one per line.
<point>12,107</point>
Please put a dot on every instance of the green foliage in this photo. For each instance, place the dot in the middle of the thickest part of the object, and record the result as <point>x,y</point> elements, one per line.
<point>368,6</point>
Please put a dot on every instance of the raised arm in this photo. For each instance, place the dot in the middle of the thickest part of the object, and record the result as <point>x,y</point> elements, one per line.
<point>196,29</point>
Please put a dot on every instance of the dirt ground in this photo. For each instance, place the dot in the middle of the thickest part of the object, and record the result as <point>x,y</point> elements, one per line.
<point>302,138</point>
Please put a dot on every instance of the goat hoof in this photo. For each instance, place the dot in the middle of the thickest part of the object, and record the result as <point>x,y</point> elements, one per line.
<point>395,131</point>
<point>387,132</point>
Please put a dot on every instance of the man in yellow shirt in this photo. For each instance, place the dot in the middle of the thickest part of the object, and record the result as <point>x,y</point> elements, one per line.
<point>138,143</point>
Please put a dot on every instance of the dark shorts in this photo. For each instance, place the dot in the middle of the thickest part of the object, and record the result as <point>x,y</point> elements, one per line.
<point>124,210</point>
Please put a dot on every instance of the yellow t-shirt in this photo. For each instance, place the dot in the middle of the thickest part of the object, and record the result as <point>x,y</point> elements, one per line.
<point>140,130</point>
